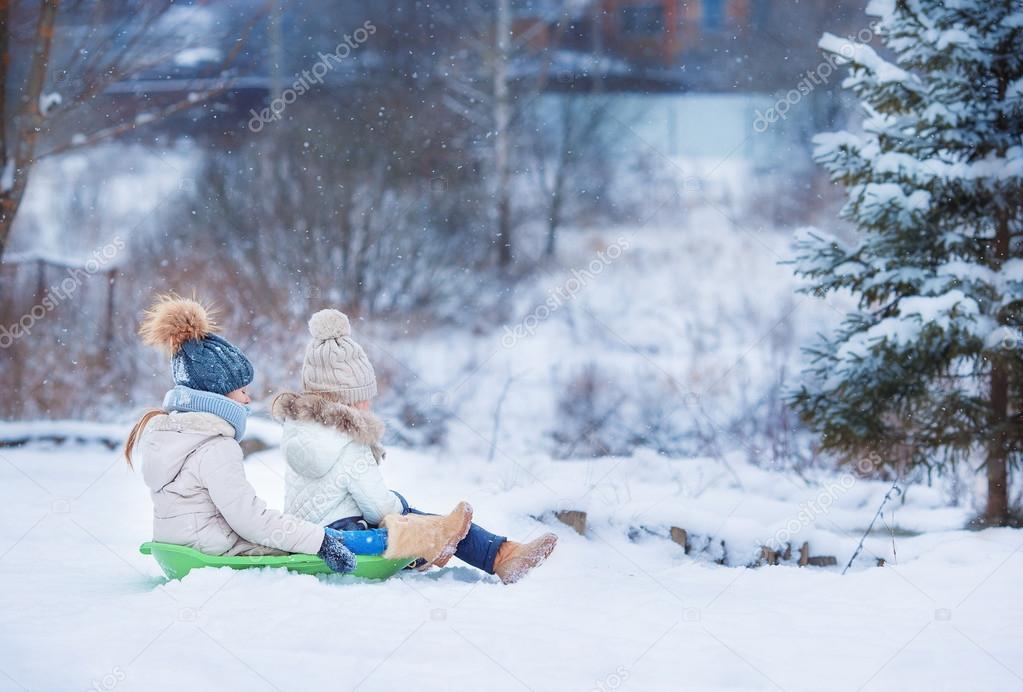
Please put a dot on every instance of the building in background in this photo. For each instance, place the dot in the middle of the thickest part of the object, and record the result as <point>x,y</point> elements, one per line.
<point>686,45</point>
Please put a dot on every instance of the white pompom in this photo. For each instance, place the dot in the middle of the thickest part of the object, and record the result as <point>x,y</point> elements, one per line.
<point>329,324</point>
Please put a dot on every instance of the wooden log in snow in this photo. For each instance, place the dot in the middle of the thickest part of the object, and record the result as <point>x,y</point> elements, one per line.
<point>680,536</point>
<point>816,560</point>
<point>804,554</point>
<point>823,560</point>
<point>574,518</point>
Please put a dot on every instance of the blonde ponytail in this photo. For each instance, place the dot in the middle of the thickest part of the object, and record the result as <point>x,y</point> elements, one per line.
<point>136,432</point>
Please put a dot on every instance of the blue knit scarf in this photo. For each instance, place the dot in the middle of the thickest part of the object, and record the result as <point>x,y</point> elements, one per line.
<point>188,400</point>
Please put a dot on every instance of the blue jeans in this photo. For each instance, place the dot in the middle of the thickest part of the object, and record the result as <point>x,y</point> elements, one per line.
<point>478,548</point>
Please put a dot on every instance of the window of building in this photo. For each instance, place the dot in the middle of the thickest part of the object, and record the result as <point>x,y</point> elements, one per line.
<point>761,12</point>
<point>642,20</point>
<point>713,14</point>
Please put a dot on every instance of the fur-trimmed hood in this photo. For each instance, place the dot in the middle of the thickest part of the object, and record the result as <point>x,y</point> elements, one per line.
<point>333,454</point>
<point>361,426</point>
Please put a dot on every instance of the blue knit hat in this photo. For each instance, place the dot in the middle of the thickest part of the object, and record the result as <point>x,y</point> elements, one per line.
<point>199,358</point>
<point>211,364</point>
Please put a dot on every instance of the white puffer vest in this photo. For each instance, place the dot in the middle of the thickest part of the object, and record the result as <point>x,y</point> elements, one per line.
<point>332,453</point>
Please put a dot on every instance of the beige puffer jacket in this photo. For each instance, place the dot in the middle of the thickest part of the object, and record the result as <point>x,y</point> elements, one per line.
<point>201,498</point>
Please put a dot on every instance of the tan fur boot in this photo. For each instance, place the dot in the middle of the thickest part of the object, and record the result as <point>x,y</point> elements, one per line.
<point>514,560</point>
<point>429,537</point>
<point>439,562</point>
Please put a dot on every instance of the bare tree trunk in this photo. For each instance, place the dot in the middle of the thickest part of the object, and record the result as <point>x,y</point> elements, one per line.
<point>276,49</point>
<point>5,61</point>
<point>26,129</point>
<point>555,209</point>
<point>40,281</point>
<point>597,40</point>
<point>553,220</point>
<point>561,172</point>
<point>111,321</point>
<point>502,120</point>
<point>346,231</point>
<point>23,125</point>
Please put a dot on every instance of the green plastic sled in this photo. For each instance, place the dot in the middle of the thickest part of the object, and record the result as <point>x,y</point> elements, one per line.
<point>177,560</point>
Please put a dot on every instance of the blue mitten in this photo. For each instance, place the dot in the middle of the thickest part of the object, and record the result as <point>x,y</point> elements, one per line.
<point>334,552</point>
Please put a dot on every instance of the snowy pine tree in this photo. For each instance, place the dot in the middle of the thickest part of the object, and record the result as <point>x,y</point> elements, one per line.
<point>928,370</point>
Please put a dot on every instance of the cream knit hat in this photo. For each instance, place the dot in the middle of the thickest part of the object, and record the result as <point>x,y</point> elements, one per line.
<point>334,363</point>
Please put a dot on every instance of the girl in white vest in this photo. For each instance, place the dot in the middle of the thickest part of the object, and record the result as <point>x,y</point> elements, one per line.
<point>332,446</point>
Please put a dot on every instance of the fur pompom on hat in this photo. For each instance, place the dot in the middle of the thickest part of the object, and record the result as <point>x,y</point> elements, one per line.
<point>334,363</point>
<point>172,321</point>
<point>183,329</point>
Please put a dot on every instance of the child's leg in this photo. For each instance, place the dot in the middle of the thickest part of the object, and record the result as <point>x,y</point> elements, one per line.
<point>478,548</point>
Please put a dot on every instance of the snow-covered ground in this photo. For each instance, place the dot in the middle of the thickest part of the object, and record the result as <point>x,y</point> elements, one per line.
<point>696,322</point>
<point>81,609</point>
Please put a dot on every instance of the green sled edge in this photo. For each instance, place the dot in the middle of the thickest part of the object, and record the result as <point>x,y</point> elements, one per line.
<point>177,560</point>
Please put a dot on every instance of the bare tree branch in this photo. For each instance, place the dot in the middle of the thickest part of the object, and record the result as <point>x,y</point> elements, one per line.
<point>186,103</point>
<point>109,63</point>
<point>29,118</point>
<point>5,61</point>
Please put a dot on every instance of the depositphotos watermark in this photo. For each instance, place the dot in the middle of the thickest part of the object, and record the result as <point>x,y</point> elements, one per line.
<point>563,293</point>
<point>109,681</point>
<point>59,292</point>
<point>821,504</point>
<point>810,510</point>
<point>812,79</point>
<point>612,681</point>
<point>311,76</point>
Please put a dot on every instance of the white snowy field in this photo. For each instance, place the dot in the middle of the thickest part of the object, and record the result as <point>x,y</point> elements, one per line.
<point>696,323</point>
<point>81,609</point>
